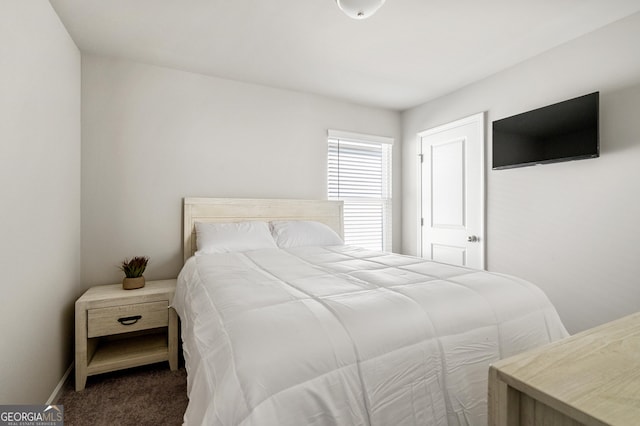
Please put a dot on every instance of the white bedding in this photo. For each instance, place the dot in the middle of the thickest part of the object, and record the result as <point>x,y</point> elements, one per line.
<point>344,336</point>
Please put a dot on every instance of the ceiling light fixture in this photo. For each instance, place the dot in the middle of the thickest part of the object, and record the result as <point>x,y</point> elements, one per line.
<point>359,9</point>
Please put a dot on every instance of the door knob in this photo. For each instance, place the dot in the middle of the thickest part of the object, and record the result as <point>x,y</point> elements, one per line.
<point>473,239</point>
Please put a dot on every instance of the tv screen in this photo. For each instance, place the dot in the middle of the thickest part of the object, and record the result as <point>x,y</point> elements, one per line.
<point>560,132</point>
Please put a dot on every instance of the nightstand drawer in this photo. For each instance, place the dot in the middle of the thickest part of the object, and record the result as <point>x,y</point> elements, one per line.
<point>126,318</point>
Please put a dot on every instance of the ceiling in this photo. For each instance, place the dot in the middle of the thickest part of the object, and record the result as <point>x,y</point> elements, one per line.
<point>409,52</point>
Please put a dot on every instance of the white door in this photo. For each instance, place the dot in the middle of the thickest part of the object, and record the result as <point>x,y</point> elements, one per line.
<point>452,192</point>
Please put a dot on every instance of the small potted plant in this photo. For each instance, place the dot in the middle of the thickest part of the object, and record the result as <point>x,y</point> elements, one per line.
<point>133,270</point>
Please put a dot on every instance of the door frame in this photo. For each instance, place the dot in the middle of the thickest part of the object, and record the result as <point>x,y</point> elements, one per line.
<point>480,119</point>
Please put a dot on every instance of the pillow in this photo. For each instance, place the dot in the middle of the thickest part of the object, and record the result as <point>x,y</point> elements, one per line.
<point>300,233</point>
<point>232,237</point>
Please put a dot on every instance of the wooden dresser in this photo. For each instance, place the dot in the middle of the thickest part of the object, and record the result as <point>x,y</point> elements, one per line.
<point>591,378</point>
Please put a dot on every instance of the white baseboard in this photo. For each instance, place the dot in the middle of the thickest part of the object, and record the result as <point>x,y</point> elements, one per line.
<point>56,392</point>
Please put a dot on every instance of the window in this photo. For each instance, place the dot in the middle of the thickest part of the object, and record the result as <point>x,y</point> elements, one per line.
<point>359,173</point>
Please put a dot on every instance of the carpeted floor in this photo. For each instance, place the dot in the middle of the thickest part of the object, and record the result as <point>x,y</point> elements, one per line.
<point>149,395</point>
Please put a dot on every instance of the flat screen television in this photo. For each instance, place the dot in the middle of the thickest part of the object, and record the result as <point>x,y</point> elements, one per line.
<point>560,132</point>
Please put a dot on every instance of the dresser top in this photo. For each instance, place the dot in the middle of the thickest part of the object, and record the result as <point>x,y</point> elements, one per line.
<point>594,374</point>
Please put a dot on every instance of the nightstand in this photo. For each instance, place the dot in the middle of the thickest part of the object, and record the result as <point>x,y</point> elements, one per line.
<point>117,329</point>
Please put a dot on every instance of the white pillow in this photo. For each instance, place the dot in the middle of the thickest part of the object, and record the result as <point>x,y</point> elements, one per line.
<point>300,233</point>
<point>232,237</point>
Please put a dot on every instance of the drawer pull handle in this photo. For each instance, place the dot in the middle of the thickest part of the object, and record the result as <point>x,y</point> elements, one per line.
<point>129,320</point>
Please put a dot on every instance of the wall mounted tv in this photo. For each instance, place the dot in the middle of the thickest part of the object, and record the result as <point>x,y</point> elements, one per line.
<point>560,132</point>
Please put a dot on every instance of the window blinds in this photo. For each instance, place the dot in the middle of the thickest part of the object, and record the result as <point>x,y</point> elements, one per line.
<point>359,173</point>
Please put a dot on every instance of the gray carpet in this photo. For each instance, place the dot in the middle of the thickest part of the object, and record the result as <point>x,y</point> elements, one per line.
<point>149,395</point>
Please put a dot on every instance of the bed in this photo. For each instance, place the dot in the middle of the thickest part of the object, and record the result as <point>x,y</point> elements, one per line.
<point>309,331</point>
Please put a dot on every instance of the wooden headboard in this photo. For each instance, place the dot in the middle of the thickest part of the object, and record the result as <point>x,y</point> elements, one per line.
<point>237,210</point>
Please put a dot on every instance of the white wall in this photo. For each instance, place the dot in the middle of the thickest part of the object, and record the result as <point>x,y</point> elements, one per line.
<point>40,193</point>
<point>571,228</point>
<point>152,135</point>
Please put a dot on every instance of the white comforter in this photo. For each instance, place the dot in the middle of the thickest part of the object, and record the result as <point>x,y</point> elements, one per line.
<point>344,336</point>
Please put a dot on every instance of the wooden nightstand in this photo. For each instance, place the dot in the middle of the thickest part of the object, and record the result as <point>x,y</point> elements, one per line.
<point>117,329</point>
